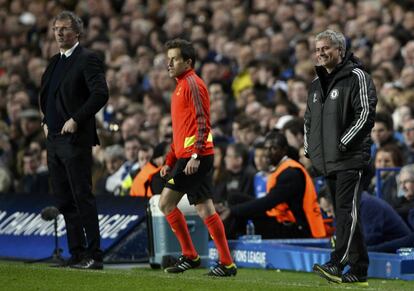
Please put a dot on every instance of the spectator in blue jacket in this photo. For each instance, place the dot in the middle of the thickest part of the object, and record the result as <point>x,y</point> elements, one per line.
<point>381,223</point>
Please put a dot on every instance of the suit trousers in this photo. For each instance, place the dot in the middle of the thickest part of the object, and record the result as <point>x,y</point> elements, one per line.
<point>350,248</point>
<point>71,177</point>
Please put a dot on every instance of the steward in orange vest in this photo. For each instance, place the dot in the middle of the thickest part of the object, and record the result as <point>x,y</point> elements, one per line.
<point>310,205</point>
<point>141,184</point>
<point>289,209</point>
<point>148,180</point>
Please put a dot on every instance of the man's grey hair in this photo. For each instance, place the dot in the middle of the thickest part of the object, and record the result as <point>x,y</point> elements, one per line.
<point>409,169</point>
<point>336,38</point>
<point>114,152</point>
<point>77,23</point>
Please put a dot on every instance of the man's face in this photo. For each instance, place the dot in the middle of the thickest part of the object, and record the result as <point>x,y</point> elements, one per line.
<point>327,55</point>
<point>380,133</point>
<point>274,152</point>
<point>65,36</point>
<point>154,115</point>
<point>298,92</point>
<point>406,182</point>
<point>29,126</point>
<point>176,64</point>
<point>30,165</point>
<point>260,159</point>
<point>408,131</point>
<point>232,161</point>
<point>384,159</point>
<point>144,156</point>
<point>113,164</point>
<point>131,150</point>
<point>216,92</point>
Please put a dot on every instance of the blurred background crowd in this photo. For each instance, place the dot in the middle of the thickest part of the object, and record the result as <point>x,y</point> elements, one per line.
<point>256,57</point>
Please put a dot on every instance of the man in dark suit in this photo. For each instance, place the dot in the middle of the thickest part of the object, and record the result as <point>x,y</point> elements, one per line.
<point>73,90</point>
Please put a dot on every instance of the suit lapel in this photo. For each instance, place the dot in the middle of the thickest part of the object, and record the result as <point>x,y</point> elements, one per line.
<point>49,72</point>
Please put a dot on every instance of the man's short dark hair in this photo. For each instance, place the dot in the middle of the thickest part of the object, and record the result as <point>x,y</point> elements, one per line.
<point>276,138</point>
<point>240,150</point>
<point>77,23</point>
<point>133,138</point>
<point>295,126</point>
<point>396,153</point>
<point>259,145</point>
<point>186,48</point>
<point>386,119</point>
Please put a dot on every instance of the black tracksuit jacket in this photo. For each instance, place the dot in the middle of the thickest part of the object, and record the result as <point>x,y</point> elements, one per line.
<point>338,123</point>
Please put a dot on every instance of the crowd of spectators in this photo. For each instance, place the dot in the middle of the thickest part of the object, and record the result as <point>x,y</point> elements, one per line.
<point>256,57</point>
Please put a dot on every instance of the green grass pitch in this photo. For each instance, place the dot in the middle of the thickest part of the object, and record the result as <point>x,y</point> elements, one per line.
<point>20,276</point>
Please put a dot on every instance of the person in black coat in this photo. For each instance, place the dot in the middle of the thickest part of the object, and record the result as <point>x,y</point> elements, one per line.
<point>73,90</point>
<point>338,121</point>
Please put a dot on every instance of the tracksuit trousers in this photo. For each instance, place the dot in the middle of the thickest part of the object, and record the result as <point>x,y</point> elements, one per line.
<point>350,248</point>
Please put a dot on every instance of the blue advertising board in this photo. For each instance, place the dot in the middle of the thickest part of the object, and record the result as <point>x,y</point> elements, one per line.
<point>301,254</point>
<point>25,235</point>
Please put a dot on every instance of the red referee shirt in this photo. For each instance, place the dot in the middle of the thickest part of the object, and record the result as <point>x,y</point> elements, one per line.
<point>190,114</point>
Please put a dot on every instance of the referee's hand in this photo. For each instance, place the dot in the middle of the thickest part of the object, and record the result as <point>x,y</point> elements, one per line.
<point>165,170</point>
<point>191,167</point>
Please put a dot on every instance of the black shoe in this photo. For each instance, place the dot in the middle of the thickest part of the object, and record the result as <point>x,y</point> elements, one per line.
<point>184,264</point>
<point>349,278</point>
<point>221,270</point>
<point>329,271</point>
<point>88,264</point>
<point>68,263</point>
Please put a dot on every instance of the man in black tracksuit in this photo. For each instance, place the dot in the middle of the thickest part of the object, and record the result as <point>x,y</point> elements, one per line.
<point>338,121</point>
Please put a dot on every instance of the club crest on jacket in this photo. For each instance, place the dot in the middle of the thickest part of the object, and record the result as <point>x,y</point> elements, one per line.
<point>334,94</point>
